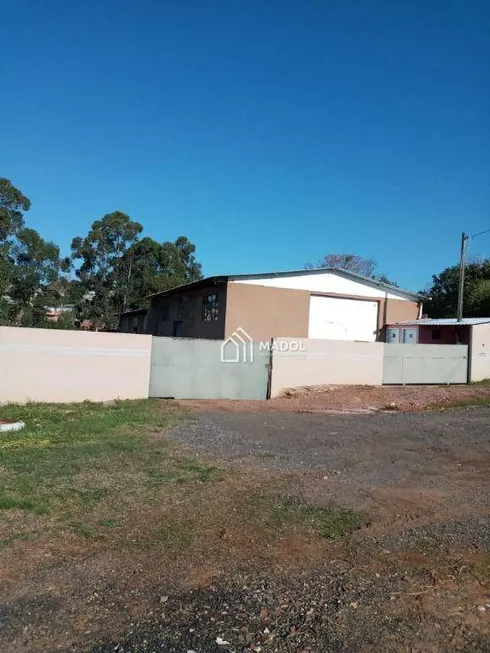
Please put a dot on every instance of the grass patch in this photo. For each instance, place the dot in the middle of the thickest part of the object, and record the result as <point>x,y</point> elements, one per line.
<point>108,523</point>
<point>173,535</point>
<point>466,402</point>
<point>8,502</point>
<point>86,531</point>
<point>73,457</point>
<point>285,513</point>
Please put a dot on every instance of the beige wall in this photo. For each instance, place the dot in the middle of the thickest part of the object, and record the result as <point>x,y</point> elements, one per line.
<point>325,362</point>
<point>398,310</point>
<point>392,311</point>
<point>265,312</point>
<point>63,366</point>
<point>480,352</point>
<point>193,326</point>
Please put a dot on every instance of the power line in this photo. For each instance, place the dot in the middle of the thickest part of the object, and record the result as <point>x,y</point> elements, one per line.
<point>480,233</point>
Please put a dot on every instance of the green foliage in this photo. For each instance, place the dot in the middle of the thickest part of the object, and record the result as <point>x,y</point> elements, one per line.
<point>121,270</point>
<point>444,291</point>
<point>158,266</point>
<point>12,205</point>
<point>104,271</point>
<point>114,269</point>
<point>31,269</point>
<point>35,278</point>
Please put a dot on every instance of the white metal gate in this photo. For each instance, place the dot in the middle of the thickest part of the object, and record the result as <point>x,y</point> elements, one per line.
<point>424,364</point>
<point>192,368</point>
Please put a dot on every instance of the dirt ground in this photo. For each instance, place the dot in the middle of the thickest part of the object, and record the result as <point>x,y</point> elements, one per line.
<point>354,398</point>
<point>239,564</point>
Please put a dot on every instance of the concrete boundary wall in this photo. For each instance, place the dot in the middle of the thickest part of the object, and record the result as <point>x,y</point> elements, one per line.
<point>298,362</point>
<point>480,352</point>
<point>63,366</point>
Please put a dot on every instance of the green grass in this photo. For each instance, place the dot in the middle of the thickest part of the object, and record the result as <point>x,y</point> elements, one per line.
<point>286,513</point>
<point>466,402</point>
<point>73,457</point>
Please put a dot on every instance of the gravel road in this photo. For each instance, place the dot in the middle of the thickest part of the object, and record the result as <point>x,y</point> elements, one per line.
<point>435,451</point>
<point>414,582</point>
<point>315,440</point>
<point>338,608</point>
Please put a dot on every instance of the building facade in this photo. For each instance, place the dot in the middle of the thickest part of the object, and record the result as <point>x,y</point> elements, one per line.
<point>319,304</point>
<point>133,321</point>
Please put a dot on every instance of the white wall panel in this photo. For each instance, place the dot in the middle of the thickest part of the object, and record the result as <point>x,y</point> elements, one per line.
<point>334,318</point>
<point>327,282</point>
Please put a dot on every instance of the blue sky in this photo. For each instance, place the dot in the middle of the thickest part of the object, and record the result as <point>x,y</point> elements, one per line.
<point>269,133</point>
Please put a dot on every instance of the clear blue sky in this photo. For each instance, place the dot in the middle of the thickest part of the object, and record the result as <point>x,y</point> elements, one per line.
<point>269,133</point>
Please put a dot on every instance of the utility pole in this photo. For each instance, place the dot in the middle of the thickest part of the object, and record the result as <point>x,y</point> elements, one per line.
<point>462,263</point>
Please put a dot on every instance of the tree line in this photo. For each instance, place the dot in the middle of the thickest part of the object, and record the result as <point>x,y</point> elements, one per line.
<point>114,268</point>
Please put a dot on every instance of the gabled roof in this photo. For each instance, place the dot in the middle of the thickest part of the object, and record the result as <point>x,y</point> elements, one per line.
<point>209,281</point>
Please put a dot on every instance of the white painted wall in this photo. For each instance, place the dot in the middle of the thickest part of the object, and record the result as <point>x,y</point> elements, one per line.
<point>327,282</point>
<point>298,362</point>
<point>334,318</point>
<point>62,366</point>
<point>480,352</point>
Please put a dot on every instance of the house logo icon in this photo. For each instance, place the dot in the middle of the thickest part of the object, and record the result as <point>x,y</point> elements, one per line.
<point>237,348</point>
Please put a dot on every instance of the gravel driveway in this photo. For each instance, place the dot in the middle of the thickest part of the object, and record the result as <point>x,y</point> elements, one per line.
<point>430,470</point>
<point>446,451</point>
<point>416,580</point>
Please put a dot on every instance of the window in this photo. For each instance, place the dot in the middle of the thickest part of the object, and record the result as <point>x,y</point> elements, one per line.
<point>183,305</point>
<point>436,334</point>
<point>210,307</point>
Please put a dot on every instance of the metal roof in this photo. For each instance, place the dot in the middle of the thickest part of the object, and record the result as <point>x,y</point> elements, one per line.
<point>267,275</point>
<point>444,321</point>
<point>136,311</point>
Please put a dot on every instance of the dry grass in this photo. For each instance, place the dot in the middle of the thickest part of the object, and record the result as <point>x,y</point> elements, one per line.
<point>98,505</point>
<point>92,479</point>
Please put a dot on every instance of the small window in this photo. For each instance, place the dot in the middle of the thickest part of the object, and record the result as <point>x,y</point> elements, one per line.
<point>436,334</point>
<point>164,312</point>
<point>183,305</point>
<point>210,307</point>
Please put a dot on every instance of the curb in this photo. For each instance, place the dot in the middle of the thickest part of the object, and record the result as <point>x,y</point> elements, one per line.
<point>11,426</point>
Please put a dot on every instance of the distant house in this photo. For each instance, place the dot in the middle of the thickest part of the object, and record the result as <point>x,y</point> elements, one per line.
<point>53,313</point>
<point>440,331</point>
<point>133,321</point>
<point>323,303</point>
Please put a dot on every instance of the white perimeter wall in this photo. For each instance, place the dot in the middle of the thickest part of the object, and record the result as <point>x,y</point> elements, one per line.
<point>480,352</point>
<point>325,362</point>
<point>63,366</point>
<point>326,282</point>
<point>335,318</point>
